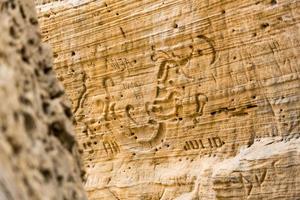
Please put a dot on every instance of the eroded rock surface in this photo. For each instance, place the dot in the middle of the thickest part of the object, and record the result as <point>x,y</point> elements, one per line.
<point>38,159</point>
<point>182,99</point>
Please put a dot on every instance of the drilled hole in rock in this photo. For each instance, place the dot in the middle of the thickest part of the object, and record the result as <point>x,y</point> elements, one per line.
<point>264,25</point>
<point>273,2</point>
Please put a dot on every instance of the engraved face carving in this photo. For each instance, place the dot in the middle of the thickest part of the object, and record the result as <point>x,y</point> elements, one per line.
<point>138,114</point>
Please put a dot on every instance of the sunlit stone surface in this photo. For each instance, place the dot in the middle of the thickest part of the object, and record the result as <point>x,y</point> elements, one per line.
<point>181,99</point>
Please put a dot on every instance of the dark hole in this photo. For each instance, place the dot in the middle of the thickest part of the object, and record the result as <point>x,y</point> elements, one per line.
<point>264,25</point>
<point>56,129</point>
<point>29,122</point>
<point>213,113</point>
<point>68,111</point>
<point>46,173</point>
<point>31,41</point>
<point>59,178</point>
<point>33,21</point>
<point>12,32</point>
<point>46,107</point>
<point>22,12</point>
<point>200,52</point>
<point>273,2</point>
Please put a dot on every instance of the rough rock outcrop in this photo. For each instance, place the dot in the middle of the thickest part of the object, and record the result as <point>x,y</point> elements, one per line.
<point>182,99</point>
<point>38,159</point>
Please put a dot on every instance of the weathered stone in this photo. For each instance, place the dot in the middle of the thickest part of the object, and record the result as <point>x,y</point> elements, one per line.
<point>38,159</point>
<point>182,99</point>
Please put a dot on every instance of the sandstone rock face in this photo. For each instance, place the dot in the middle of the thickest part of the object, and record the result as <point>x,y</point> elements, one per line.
<point>182,99</point>
<point>38,152</point>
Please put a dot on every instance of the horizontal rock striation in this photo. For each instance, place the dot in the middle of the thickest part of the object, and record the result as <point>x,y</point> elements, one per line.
<point>181,99</point>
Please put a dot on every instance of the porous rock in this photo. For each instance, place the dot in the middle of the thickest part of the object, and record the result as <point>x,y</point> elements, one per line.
<point>38,159</point>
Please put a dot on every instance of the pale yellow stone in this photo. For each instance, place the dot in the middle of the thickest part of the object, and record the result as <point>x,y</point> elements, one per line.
<point>181,99</point>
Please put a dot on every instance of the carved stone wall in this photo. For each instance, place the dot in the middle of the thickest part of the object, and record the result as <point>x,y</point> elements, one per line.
<point>181,99</point>
<point>38,155</point>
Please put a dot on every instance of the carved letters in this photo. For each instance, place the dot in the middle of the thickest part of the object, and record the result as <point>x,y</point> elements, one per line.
<point>119,64</point>
<point>111,147</point>
<point>211,143</point>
